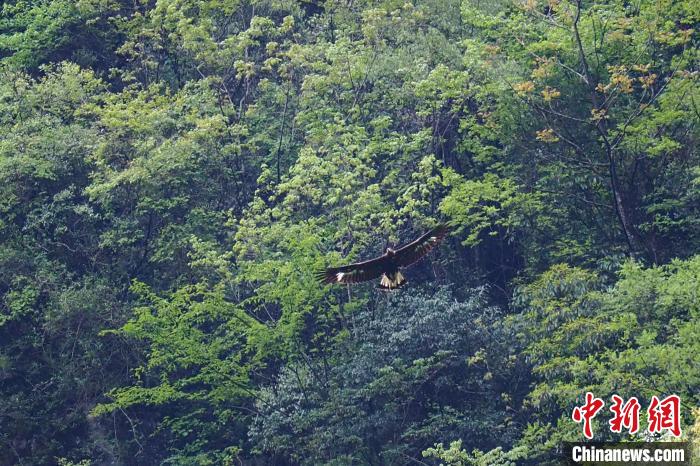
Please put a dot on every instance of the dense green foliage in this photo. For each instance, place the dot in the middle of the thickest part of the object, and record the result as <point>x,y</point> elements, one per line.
<point>173,172</point>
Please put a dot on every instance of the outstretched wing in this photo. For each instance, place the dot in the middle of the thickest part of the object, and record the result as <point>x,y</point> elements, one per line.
<point>412,252</point>
<point>353,273</point>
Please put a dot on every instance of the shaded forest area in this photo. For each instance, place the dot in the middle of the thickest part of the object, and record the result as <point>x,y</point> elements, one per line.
<point>173,174</point>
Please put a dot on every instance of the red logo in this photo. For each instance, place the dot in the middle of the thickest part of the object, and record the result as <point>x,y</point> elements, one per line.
<point>662,414</point>
<point>665,414</point>
<point>626,415</point>
<point>587,412</point>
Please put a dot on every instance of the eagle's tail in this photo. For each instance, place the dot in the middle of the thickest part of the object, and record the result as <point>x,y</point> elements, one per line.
<point>392,281</point>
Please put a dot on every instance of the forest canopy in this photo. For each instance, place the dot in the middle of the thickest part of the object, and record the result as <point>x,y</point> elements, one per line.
<point>174,174</point>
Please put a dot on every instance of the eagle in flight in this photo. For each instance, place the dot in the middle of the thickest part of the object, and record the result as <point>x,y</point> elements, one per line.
<point>387,265</point>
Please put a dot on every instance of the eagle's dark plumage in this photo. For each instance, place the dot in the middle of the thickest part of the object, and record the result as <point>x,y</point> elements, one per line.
<point>386,266</point>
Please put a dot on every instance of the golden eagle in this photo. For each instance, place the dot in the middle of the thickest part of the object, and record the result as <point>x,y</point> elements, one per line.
<point>387,265</point>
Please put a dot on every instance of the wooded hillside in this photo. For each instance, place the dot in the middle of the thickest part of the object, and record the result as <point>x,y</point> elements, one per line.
<point>174,174</point>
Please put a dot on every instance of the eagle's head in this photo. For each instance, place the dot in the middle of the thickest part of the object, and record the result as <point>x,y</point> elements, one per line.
<point>390,251</point>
